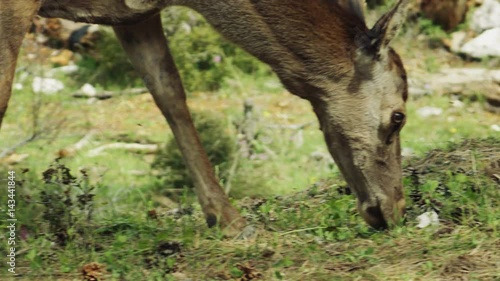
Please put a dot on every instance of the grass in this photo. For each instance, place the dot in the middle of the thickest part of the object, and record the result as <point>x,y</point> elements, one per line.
<point>308,227</point>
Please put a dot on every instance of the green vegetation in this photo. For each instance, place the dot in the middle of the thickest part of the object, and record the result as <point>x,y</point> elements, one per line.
<point>218,142</point>
<point>205,60</point>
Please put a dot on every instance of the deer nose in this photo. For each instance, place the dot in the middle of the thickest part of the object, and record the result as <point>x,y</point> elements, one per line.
<point>375,218</point>
<point>371,212</point>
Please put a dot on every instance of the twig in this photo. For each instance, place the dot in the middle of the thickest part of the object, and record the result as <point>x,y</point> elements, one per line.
<point>301,230</point>
<point>291,127</point>
<point>9,150</point>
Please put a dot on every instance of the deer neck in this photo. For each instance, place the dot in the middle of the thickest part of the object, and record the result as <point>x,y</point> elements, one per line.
<point>296,38</point>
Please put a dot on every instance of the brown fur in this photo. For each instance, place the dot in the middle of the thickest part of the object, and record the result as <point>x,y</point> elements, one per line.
<point>321,50</point>
<point>446,13</point>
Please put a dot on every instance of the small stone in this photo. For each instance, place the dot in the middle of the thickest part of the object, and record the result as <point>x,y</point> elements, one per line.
<point>485,45</point>
<point>46,86</point>
<point>428,219</point>
<point>268,252</point>
<point>17,86</point>
<point>67,69</point>
<point>407,152</point>
<point>457,40</point>
<point>428,111</point>
<point>487,16</point>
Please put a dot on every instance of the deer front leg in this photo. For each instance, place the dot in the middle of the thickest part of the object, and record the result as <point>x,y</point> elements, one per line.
<point>147,48</point>
<point>15,19</point>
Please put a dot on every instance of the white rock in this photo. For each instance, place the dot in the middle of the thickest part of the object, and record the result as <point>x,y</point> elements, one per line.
<point>88,90</point>
<point>457,40</point>
<point>46,86</point>
<point>487,16</point>
<point>23,77</point>
<point>428,219</point>
<point>486,44</point>
<point>407,152</point>
<point>495,128</point>
<point>428,111</point>
<point>17,86</point>
<point>457,103</point>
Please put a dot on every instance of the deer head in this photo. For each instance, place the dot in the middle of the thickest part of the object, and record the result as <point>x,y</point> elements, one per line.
<point>362,122</point>
<point>360,104</point>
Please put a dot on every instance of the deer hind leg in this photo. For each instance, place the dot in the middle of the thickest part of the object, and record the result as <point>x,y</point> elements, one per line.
<point>146,46</point>
<point>15,19</point>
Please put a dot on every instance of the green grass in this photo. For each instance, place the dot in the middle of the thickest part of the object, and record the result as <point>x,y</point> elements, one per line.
<point>314,234</point>
<point>308,227</point>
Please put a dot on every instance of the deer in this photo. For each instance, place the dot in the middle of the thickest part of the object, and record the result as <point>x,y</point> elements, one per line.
<point>321,50</point>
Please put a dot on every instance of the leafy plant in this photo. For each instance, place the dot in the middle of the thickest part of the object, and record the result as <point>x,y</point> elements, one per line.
<point>67,201</point>
<point>218,142</point>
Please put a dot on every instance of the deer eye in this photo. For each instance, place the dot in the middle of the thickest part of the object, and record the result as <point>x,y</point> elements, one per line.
<point>398,118</point>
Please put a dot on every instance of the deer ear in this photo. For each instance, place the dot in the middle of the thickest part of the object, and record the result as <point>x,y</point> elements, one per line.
<point>388,26</point>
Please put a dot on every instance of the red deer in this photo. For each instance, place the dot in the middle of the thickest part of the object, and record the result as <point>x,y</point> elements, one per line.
<point>321,50</point>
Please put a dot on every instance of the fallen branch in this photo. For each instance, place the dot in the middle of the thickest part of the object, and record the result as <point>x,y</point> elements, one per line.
<point>292,126</point>
<point>131,147</point>
<point>102,95</point>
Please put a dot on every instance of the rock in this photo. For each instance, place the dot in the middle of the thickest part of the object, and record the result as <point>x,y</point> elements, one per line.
<point>495,76</point>
<point>15,158</point>
<point>493,101</point>
<point>487,16</point>
<point>67,69</point>
<point>457,103</point>
<point>457,40</point>
<point>458,76</point>
<point>446,13</point>
<point>46,86</point>
<point>485,45</point>
<point>428,111</point>
<point>17,86</point>
<point>428,219</point>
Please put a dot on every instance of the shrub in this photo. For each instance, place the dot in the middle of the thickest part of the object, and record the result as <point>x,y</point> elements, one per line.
<point>107,65</point>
